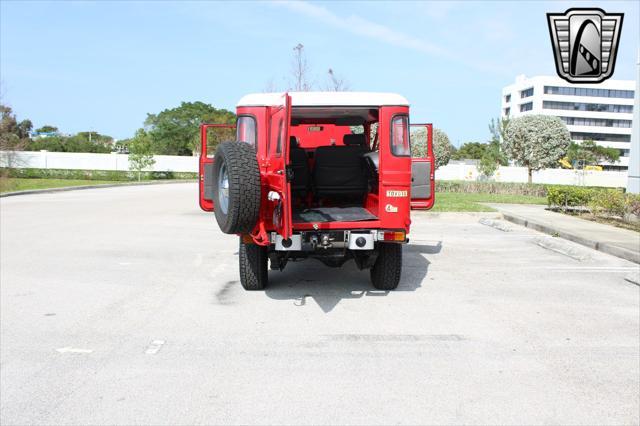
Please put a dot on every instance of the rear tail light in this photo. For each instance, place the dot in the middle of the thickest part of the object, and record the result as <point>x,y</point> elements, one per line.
<point>392,236</point>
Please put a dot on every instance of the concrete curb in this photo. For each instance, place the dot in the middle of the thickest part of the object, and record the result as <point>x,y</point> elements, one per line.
<point>495,224</point>
<point>489,215</point>
<point>76,188</point>
<point>596,245</point>
<point>562,246</point>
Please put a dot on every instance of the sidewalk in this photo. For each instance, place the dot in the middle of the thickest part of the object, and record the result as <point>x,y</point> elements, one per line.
<point>107,185</point>
<point>606,238</point>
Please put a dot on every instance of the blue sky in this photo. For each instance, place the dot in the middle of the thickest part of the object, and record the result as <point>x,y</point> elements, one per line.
<point>104,65</point>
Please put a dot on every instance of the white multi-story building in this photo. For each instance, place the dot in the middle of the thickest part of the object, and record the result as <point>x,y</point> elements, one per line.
<point>601,112</point>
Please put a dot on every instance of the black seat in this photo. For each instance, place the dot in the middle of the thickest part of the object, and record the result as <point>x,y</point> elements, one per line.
<point>355,140</point>
<point>300,166</point>
<point>340,171</point>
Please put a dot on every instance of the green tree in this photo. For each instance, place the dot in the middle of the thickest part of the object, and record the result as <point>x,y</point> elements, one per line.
<point>418,138</point>
<point>442,148</point>
<point>76,143</point>
<point>8,128</point>
<point>589,153</point>
<point>490,160</point>
<point>497,128</point>
<point>141,152</point>
<point>13,135</point>
<point>175,131</point>
<point>47,129</point>
<point>536,141</point>
<point>88,142</point>
<point>471,151</point>
<point>54,143</point>
<point>24,129</point>
<point>493,155</point>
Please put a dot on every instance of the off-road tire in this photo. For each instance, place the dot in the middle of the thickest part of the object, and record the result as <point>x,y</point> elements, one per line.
<point>253,266</point>
<point>244,187</point>
<point>385,273</point>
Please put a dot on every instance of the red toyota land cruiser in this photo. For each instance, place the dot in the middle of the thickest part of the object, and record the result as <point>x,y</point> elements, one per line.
<point>325,175</point>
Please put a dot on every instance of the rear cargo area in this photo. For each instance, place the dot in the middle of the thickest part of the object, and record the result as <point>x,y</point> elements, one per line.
<point>333,177</point>
<point>332,214</point>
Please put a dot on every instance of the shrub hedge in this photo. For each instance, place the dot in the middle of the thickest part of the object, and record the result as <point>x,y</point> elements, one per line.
<point>508,188</point>
<point>632,204</point>
<point>599,201</point>
<point>610,202</point>
<point>570,196</point>
<point>115,175</point>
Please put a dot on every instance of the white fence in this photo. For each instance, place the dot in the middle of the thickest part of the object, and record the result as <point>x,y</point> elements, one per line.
<point>86,161</point>
<point>468,172</point>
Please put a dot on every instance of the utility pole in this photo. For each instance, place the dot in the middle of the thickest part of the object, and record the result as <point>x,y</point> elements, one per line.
<point>300,69</point>
<point>633,182</point>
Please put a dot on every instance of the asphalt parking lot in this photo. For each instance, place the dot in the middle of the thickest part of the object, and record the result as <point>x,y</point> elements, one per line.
<point>123,305</point>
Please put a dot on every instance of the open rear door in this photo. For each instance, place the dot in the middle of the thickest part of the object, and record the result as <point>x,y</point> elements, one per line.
<point>277,176</point>
<point>210,136</point>
<point>422,168</point>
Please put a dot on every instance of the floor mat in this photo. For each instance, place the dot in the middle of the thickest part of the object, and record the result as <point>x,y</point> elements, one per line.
<point>333,214</point>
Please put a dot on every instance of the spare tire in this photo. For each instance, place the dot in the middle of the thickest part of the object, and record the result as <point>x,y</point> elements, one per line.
<point>236,187</point>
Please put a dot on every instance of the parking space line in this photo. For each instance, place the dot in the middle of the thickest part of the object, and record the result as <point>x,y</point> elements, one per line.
<point>154,347</point>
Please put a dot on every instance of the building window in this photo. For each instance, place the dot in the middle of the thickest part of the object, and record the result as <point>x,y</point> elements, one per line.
<point>606,137</point>
<point>581,106</point>
<point>526,107</point>
<point>580,91</point>
<point>400,136</point>
<point>246,130</point>
<point>599,122</point>
<point>507,110</point>
<point>507,98</point>
<point>526,93</point>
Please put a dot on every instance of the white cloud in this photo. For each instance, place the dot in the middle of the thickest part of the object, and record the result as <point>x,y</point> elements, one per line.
<point>437,9</point>
<point>363,27</point>
<point>366,28</point>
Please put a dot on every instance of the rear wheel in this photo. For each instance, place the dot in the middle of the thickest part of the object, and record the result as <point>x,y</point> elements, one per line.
<point>385,274</point>
<point>253,266</point>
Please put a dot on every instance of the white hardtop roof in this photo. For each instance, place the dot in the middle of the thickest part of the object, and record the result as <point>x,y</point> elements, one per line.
<point>324,99</point>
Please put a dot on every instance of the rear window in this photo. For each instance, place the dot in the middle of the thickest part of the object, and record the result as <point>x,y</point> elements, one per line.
<point>246,130</point>
<point>280,138</point>
<point>400,136</point>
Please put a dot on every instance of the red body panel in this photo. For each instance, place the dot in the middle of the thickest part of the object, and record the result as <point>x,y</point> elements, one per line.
<point>274,170</point>
<point>394,176</point>
<point>426,203</point>
<point>311,136</point>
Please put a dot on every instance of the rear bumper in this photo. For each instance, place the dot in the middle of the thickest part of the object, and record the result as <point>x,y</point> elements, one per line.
<point>352,239</point>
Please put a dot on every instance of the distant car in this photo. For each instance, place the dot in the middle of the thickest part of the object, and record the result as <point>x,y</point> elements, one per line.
<point>325,175</point>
